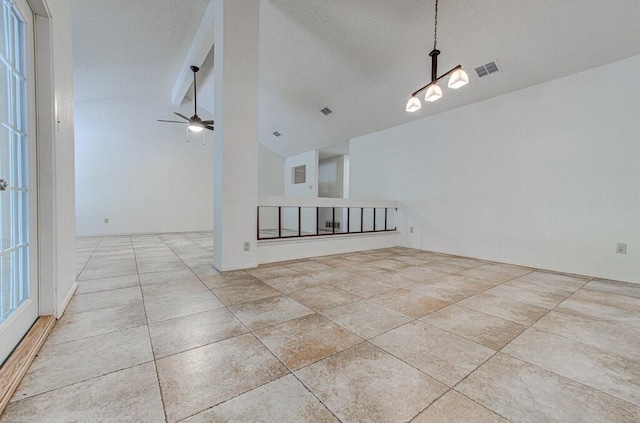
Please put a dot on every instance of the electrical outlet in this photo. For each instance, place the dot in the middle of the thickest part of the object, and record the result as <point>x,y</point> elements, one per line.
<point>621,248</point>
<point>106,220</point>
<point>410,229</point>
<point>247,246</point>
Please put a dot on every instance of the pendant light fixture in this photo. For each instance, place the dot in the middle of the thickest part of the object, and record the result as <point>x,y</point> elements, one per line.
<point>459,77</point>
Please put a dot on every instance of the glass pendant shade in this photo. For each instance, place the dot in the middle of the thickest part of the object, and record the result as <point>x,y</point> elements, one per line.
<point>195,128</point>
<point>458,79</point>
<point>413,104</point>
<point>434,93</point>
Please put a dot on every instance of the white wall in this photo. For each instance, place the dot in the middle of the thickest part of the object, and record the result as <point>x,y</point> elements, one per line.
<point>308,189</point>
<point>139,173</point>
<point>270,172</point>
<point>548,176</point>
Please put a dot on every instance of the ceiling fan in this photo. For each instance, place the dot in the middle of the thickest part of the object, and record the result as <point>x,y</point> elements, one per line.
<point>195,123</point>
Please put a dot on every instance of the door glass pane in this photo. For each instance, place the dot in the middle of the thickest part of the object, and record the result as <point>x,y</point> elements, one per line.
<point>21,161</point>
<point>3,34</point>
<point>18,43</point>
<point>5,102</point>
<point>20,112</point>
<point>14,160</point>
<point>5,292</point>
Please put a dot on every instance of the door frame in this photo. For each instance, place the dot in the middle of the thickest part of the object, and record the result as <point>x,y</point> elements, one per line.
<point>46,121</point>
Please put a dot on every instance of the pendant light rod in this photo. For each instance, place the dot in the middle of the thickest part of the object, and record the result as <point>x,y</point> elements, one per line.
<point>435,81</point>
<point>195,70</point>
<point>434,64</point>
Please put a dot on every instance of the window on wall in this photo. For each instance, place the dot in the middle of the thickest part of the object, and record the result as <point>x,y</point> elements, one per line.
<point>299,174</point>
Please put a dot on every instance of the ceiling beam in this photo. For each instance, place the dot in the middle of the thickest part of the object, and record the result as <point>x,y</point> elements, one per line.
<point>200,47</point>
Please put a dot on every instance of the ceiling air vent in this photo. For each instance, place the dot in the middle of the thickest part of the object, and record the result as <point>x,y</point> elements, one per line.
<point>276,134</point>
<point>488,69</point>
<point>327,111</point>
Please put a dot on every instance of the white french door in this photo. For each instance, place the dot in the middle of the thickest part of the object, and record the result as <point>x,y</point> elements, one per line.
<point>18,178</point>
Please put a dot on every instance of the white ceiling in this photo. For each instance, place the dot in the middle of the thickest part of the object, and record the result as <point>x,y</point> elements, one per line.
<point>361,58</point>
<point>126,48</point>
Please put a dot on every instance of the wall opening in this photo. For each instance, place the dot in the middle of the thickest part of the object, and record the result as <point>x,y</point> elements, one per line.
<point>299,174</point>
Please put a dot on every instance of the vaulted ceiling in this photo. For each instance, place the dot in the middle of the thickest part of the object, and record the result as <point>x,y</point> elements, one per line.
<point>361,58</point>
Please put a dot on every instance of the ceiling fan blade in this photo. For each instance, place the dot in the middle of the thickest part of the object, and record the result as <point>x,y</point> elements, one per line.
<point>209,127</point>
<point>182,116</point>
<point>172,121</point>
<point>207,122</point>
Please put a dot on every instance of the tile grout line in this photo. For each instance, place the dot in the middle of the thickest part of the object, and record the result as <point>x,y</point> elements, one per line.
<point>500,351</point>
<point>146,317</point>
<point>89,259</point>
<point>315,396</point>
<point>79,382</point>
<point>571,340</point>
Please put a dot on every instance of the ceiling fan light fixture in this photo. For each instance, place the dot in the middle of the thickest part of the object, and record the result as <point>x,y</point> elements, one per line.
<point>413,104</point>
<point>193,127</point>
<point>458,79</point>
<point>195,123</point>
<point>434,92</point>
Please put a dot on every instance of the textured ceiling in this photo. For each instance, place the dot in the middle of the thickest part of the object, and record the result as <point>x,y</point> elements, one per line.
<point>361,58</point>
<point>130,47</point>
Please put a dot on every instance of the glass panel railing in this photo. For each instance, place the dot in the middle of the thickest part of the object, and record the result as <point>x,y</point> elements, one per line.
<point>298,221</point>
<point>380,219</point>
<point>325,220</point>
<point>392,219</point>
<point>340,223</point>
<point>354,219</point>
<point>268,222</point>
<point>368,220</point>
<point>308,216</point>
<point>290,222</point>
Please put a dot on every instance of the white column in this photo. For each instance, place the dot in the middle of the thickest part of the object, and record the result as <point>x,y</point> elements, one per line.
<point>236,74</point>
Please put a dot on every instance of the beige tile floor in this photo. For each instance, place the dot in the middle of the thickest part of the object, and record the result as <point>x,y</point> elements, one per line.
<point>155,334</point>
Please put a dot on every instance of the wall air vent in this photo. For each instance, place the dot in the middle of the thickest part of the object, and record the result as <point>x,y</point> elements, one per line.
<point>488,69</point>
<point>326,111</point>
<point>276,134</point>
